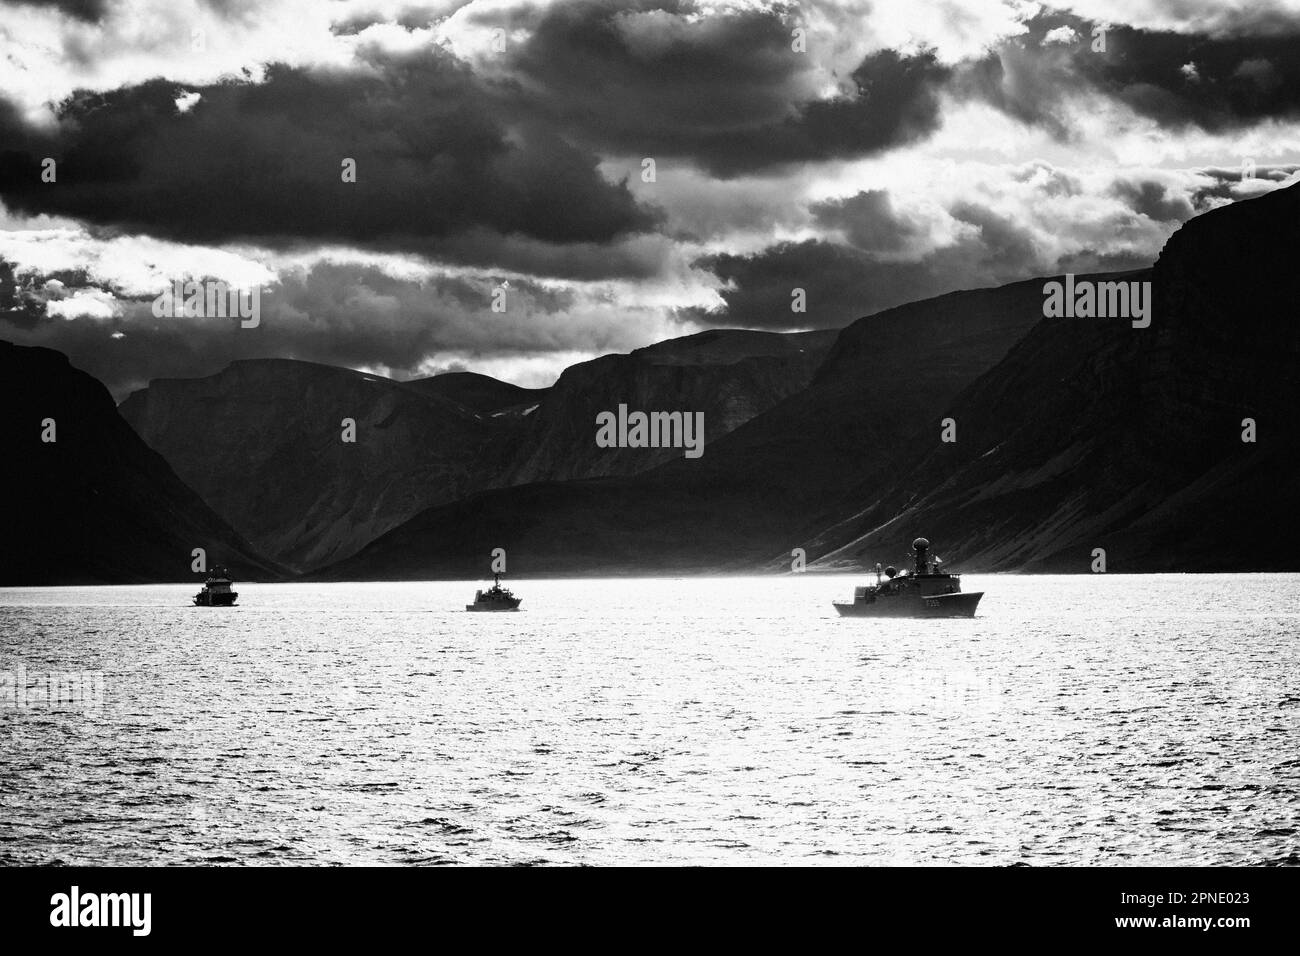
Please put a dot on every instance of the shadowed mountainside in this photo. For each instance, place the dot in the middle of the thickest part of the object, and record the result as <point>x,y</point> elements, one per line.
<point>730,375</point>
<point>262,440</point>
<point>96,506</point>
<point>1072,434</point>
<point>1093,434</point>
<point>479,393</point>
<point>758,490</point>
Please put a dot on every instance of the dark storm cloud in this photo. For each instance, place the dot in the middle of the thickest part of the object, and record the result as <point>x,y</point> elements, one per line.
<point>1227,83</point>
<point>1154,200</point>
<point>835,279</point>
<point>494,172</point>
<point>1003,244</point>
<point>436,158</point>
<point>867,221</point>
<point>1216,83</point>
<point>843,283</point>
<point>725,91</point>
<point>92,11</point>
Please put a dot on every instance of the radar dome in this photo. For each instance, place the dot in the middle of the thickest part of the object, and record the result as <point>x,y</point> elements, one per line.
<point>920,544</point>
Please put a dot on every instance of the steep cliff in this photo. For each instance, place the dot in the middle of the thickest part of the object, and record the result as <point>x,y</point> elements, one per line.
<point>95,506</point>
<point>730,375</point>
<point>1093,434</point>
<point>263,443</point>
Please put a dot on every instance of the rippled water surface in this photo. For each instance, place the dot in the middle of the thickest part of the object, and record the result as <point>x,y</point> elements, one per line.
<point>1083,720</point>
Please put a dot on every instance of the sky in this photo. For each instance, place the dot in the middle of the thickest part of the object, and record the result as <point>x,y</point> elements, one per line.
<point>609,173</point>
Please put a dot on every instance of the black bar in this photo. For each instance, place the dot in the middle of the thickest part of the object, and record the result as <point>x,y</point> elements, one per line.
<point>621,906</point>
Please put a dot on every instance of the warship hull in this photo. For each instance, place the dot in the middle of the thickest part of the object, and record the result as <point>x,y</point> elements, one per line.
<point>511,605</point>
<point>961,604</point>
<point>204,599</point>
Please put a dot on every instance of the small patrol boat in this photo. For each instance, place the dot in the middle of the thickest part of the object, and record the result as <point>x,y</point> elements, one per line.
<point>495,598</point>
<point>926,591</point>
<point>216,590</point>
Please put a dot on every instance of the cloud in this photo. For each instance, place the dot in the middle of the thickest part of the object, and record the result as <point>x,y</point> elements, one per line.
<point>1009,224</point>
<point>88,10</point>
<point>346,313</point>
<point>1212,18</point>
<point>436,158</point>
<point>21,306</point>
<point>1061,34</point>
<point>1178,79</point>
<point>868,222</point>
<point>630,78</point>
<point>916,147</point>
<point>84,304</point>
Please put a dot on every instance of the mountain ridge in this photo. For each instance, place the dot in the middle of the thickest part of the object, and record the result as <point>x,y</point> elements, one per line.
<point>96,505</point>
<point>762,485</point>
<point>275,423</point>
<point>1153,470</point>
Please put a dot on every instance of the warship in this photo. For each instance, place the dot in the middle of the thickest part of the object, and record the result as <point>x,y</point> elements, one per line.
<point>926,591</point>
<point>216,590</point>
<point>495,598</point>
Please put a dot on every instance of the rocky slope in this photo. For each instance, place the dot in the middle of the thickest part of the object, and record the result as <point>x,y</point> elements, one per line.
<point>1072,435</point>
<point>1092,434</point>
<point>263,443</point>
<point>478,393</point>
<point>261,440</point>
<point>730,375</point>
<point>759,489</point>
<point>96,506</point>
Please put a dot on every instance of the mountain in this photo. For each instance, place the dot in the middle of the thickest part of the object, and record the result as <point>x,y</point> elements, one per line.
<point>887,376</point>
<point>1093,434</point>
<point>479,393</point>
<point>263,442</point>
<point>275,424</point>
<point>1072,435</point>
<point>761,489</point>
<point>730,375</point>
<point>95,506</point>
<point>728,346</point>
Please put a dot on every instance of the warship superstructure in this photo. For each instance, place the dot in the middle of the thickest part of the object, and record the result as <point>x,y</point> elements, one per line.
<point>495,598</point>
<point>924,591</point>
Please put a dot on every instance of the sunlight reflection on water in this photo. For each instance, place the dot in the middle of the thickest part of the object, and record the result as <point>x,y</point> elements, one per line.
<point>1084,720</point>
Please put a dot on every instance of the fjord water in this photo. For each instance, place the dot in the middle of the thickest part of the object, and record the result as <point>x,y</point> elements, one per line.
<point>1076,720</point>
